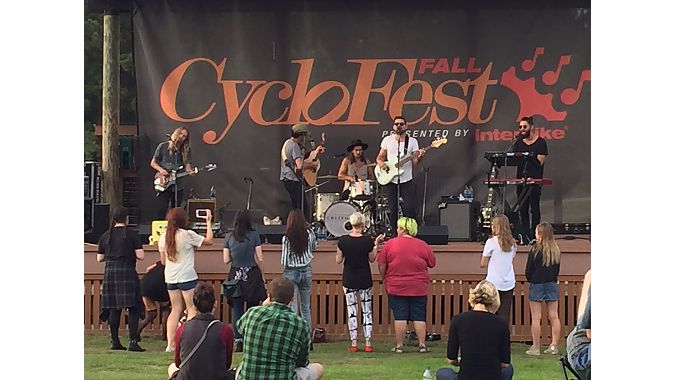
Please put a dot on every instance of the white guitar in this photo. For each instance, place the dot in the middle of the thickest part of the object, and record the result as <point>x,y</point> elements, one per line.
<point>394,170</point>
<point>163,182</point>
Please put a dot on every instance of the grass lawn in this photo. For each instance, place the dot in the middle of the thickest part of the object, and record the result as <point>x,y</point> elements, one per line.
<point>102,363</point>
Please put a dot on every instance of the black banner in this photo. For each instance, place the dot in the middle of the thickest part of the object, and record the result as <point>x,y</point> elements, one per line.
<point>238,76</point>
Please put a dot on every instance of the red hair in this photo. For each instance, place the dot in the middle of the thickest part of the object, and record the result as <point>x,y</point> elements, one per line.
<point>176,218</point>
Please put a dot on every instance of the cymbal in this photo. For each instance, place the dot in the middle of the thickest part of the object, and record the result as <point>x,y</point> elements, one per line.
<point>327,177</point>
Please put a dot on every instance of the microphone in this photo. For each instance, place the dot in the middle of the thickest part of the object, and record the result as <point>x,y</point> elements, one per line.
<point>339,155</point>
<point>212,192</point>
<point>312,142</point>
<point>248,179</point>
<point>167,134</point>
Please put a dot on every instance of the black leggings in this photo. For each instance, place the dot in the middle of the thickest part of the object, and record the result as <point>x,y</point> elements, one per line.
<point>114,320</point>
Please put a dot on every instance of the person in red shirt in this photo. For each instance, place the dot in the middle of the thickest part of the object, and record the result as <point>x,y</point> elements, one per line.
<point>403,263</point>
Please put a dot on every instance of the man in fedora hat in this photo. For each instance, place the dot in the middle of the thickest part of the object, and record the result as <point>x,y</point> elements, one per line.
<point>294,160</point>
<point>354,167</point>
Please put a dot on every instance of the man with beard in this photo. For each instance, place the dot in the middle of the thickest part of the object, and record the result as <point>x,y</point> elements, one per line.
<point>532,167</point>
<point>394,148</point>
<point>354,167</point>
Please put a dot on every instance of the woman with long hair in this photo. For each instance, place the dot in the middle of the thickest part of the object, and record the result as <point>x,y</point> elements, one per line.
<point>177,252</point>
<point>243,252</point>
<point>542,271</point>
<point>482,337</point>
<point>120,248</point>
<point>403,263</point>
<point>498,255</point>
<point>171,156</point>
<point>298,245</point>
<point>356,251</point>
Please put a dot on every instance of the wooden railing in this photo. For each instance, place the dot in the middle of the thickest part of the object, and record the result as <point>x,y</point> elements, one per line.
<point>448,296</point>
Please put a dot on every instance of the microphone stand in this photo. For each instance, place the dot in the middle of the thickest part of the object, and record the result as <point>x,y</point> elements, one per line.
<point>426,170</point>
<point>248,199</point>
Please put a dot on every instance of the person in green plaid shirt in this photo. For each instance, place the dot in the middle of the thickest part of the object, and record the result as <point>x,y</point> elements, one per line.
<point>276,344</point>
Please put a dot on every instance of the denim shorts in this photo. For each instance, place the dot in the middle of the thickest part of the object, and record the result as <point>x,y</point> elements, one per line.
<point>548,291</point>
<point>408,308</point>
<point>184,286</point>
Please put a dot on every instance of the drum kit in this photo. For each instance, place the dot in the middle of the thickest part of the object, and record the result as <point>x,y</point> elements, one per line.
<point>332,214</point>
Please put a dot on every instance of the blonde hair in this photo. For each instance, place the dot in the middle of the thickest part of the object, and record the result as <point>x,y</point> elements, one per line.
<point>486,294</point>
<point>357,219</point>
<point>551,254</point>
<point>408,224</point>
<point>500,228</point>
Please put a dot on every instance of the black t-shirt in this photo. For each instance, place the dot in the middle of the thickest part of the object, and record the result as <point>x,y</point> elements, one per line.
<point>531,166</point>
<point>483,339</point>
<point>119,244</point>
<point>356,267</point>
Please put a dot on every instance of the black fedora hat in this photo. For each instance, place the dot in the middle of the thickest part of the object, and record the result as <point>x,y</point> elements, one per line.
<point>357,142</point>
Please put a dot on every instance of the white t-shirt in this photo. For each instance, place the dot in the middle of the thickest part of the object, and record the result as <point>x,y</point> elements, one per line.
<point>500,269</point>
<point>183,269</point>
<point>389,143</point>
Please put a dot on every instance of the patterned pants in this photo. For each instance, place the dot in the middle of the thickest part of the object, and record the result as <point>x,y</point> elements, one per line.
<point>366,297</point>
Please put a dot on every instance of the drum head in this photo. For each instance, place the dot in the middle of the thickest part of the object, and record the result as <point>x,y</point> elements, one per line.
<point>322,202</point>
<point>337,217</point>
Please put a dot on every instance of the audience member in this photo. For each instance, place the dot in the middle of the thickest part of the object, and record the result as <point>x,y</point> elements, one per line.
<point>276,345</point>
<point>355,251</point>
<point>578,343</point>
<point>403,263</point>
<point>243,252</point>
<point>498,254</point>
<point>203,343</point>
<point>177,252</point>
<point>298,245</point>
<point>482,337</point>
<point>542,271</point>
<point>155,297</point>
<point>120,247</point>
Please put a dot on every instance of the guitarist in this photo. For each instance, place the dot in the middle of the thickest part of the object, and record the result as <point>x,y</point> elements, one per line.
<point>399,144</point>
<point>170,156</point>
<point>293,161</point>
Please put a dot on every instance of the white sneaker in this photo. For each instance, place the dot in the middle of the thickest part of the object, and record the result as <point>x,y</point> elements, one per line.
<point>533,351</point>
<point>169,349</point>
<point>552,350</point>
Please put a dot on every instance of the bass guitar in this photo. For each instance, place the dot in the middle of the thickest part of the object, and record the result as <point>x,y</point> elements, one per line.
<point>310,175</point>
<point>162,182</point>
<point>394,169</point>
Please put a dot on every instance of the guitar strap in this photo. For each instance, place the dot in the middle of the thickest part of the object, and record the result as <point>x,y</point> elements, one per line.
<point>405,146</point>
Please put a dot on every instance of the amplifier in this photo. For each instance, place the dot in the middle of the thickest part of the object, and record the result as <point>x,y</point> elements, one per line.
<point>201,204</point>
<point>461,219</point>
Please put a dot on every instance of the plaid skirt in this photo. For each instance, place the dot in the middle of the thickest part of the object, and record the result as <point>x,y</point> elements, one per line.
<point>121,286</point>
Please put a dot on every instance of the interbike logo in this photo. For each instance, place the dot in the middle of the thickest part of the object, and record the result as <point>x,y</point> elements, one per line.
<point>445,104</point>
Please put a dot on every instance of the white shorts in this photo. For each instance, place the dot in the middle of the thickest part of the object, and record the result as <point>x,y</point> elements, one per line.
<point>303,373</point>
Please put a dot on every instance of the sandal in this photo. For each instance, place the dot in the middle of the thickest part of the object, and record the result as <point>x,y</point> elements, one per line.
<point>398,350</point>
<point>423,349</point>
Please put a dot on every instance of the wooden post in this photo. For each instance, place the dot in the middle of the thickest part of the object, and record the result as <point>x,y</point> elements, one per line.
<point>110,166</point>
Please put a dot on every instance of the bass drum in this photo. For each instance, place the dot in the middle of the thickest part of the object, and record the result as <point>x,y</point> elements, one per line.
<point>337,218</point>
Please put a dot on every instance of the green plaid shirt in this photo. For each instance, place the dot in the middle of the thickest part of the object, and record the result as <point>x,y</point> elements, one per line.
<point>276,341</point>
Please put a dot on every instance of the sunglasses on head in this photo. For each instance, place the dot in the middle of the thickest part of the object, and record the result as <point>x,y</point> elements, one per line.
<point>399,124</point>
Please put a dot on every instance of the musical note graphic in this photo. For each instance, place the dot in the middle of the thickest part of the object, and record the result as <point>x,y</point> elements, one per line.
<point>529,64</point>
<point>571,95</point>
<point>551,77</point>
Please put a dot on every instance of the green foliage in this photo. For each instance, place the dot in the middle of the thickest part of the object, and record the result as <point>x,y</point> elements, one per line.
<point>102,363</point>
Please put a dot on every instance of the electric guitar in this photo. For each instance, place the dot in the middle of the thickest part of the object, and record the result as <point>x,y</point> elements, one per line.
<point>163,182</point>
<point>489,209</point>
<point>310,175</point>
<point>394,170</point>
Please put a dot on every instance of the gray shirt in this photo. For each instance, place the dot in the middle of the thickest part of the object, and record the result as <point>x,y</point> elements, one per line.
<point>242,252</point>
<point>169,161</point>
<point>290,151</point>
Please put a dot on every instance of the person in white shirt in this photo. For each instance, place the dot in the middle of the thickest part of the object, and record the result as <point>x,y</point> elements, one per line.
<point>498,255</point>
<point>394,148</point>
<point>177,251</point>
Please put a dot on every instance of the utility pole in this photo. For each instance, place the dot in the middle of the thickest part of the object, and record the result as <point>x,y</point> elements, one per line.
<point>110,165</point>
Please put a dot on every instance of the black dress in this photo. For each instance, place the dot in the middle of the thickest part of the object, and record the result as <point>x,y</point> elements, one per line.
<point>153,285</point>
<point>121,287</point>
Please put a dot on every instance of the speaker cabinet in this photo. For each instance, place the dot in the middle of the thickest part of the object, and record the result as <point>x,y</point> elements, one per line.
<point>271,234</point>
<point>101,223</point>
<point>433,235</point>
<point>461,219</point>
